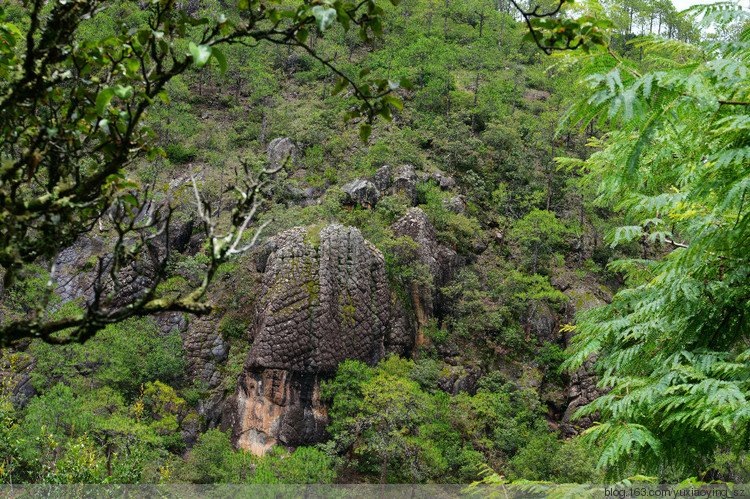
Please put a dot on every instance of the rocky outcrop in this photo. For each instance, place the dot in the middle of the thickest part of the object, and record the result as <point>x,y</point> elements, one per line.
<point>442,262</point>
<point>281,148</point>
<point>382,178</point>
<point>205,349</point>
<point>405,181</point>
<point>75,266</point>
<point>324,299</point>
<point>582,389</point>
<point>457,379</point>
<point>543,322</point>
<point>361,192</point>
<point>16,374</point>
<point>443,181</point>
<point>456,205</point>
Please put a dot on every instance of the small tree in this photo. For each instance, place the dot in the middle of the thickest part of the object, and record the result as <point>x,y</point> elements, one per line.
<point>539,233</point>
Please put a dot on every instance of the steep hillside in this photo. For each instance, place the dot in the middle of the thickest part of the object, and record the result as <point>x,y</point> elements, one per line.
<point>402,317</point>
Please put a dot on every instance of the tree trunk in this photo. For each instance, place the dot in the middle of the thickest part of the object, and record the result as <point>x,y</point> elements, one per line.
<point>263,125</point>
<point>429,18</point>
<point>445,20</point>
<point>581,239</point>
<point>448,101</point>
<point>109,457</point>
<point>502,27</point>
<point>476,94</point>
<point>549,175</point>
<point>536,256</point>
<point>384,470</point>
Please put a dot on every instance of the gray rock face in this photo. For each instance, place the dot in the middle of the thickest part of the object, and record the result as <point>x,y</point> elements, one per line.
<point>337,294</point>
<point>279,149</point>
<point>542,322</point>
<point>442,181</point>
<point>205,349</point>
<point>406,181</point>
<point>456,205</point>
<point>324,299</point>
<point>383,178</point>
<point>16,376</point>
<point>460,379</point>
<point>73,282</point>
<point>362,192</point>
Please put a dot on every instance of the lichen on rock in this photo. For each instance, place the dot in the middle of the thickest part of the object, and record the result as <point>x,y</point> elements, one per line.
<point>323,300</point>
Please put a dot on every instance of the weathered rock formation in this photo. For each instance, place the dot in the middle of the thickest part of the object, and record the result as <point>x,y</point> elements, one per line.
<point>279,149</point>
<point>405,181</point>
<point>361,192</point>
<point>382,178</point>
<point>324,299</point>
<point>441,261</point>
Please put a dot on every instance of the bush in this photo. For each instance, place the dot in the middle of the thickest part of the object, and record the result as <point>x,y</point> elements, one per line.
<point>304,465</point>
<point>426,373</point>
<point>452,228</point>
<point>210,459</point>
<point>179,154</point>
<point>550,357</point>
<point>110,359</point>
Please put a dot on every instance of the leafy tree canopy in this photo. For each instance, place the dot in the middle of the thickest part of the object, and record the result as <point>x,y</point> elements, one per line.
<point>672,347</point>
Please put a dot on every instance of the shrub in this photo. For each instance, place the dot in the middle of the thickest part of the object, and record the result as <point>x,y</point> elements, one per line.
<point>179,153</point>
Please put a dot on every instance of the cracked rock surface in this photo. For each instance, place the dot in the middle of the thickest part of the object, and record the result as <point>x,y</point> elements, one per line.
<point>325,299</point>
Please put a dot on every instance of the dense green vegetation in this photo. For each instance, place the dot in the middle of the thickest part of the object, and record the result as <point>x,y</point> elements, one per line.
<point>648,208</point>
<point>673,345</point>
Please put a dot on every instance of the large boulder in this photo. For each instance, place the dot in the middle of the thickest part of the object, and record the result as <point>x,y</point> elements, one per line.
<point>281,148</point>
<point>324,299</point>
<point>361,192</point>
<point>405,181</point>
<point>443,181</point>
<point>456,205</point>
<point>543,322</point>
<point>382,178</point>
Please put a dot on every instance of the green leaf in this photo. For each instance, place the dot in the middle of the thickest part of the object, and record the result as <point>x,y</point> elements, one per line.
<point>143,36</point>
<point>219,56</point>
<point>393,101</point>
<point>163,96</point>
<point>103,99</point>
<point>324,16</point>
<point>200,53</point>
<point>124,92</point>
<point>133,65</point>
